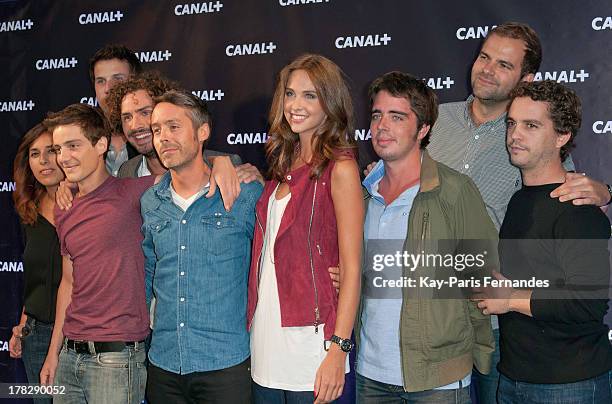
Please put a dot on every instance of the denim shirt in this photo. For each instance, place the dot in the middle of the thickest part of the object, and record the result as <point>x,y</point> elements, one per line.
<point>196,266</point>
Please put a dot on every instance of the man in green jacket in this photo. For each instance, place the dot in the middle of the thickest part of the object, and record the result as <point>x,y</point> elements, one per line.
<point>421,343</point>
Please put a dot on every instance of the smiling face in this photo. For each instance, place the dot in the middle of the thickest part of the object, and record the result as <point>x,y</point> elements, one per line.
<point>176,140</point>
<point>43,162</point>
<point>497,69</point>
<point>136,109</point>
<point>531,137</point>
<point>393,125</point>
<point>107,73</point>
<point>76,155</point>
<point>301,105</point>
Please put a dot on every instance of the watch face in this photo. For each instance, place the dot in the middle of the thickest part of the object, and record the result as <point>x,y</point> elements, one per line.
<point>346,345</point>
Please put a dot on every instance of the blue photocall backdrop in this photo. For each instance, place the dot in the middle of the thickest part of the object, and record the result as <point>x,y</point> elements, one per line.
<point>229,52</point>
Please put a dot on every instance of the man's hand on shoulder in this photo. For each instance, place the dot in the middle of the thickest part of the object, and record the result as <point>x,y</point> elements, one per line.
<point>582,190</point>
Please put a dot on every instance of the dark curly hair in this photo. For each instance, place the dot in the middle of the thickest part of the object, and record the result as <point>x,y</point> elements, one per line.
<point>422,99</point>
<point>151,81</point>
<point>564,107</point>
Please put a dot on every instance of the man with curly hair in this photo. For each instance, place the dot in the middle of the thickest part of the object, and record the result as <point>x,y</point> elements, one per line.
<point>553,341</point>
<point>130,105</point>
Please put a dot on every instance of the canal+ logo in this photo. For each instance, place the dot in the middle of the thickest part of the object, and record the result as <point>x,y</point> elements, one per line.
<point>602,127</point>
<point>153,56</point>
<point>16,106</point>
<point>563,76</point>
<point>601,23</point>
<point>100,18</point>
<point>285,3</point>
<point>53,64</point>
<point>18,25</point>
<point>198,8</point>
<point>362,41</point>
<point>209,95</point>
<point>477,32</point>
<point>260,48</point>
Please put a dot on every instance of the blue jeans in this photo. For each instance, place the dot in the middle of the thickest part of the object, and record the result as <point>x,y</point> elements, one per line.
<point>372,392</point>
<point>597,390</point>
<point>486,385</point>
<point>109,377</point>
<point>266,395</point>
<point>34,350</point>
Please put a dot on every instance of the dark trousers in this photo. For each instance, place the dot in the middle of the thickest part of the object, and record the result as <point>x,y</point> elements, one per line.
<point>231,385</point>
<point>266,395</point>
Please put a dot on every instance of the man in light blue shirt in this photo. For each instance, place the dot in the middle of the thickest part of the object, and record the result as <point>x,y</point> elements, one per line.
<point>197,258</point>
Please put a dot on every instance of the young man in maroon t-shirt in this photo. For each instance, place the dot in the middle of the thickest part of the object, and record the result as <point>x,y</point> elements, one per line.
<point>102,319</point>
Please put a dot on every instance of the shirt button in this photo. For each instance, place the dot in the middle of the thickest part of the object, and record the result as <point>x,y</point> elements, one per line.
<point>182,273</point>
<point>476,137</point>
<point>184,221</point>
<point>218,223</point>
<point>288,178</point>
<point>182,324</point>
<point>466,166</point>
<point>182,299</point>
<point>182,247</point>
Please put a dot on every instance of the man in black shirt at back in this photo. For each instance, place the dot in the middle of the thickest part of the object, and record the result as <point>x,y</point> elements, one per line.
<point>553,341</point>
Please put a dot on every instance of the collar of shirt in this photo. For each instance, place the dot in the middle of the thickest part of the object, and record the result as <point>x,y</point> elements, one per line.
<point>372,181</point>
<point>499,121</point>
<point>143,168</point>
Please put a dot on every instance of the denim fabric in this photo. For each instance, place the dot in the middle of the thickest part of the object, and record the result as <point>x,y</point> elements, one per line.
<point>34,350</point>
<point>110,377</point>
<point>197,264</point>
<point>266,395</point>
<point>486,385</point>
<point>373,392</point>
<point>597,390</point>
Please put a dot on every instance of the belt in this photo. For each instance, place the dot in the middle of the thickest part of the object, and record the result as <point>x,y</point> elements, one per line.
<point>93,348</point>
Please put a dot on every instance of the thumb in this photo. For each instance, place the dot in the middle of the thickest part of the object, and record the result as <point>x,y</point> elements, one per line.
<point>212,187</point>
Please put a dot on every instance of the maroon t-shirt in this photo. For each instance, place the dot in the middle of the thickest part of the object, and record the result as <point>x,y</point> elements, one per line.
<point>101,234</point>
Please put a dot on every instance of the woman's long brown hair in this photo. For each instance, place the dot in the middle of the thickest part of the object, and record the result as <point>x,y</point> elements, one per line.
<point>28,191</point>
<point>335,133</point>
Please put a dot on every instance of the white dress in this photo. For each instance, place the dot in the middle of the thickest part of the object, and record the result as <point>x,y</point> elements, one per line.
<point>281,358</point>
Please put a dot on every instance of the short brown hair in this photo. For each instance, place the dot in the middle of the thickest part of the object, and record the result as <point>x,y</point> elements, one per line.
<point>533,47</point>
<point>564,107</point>
<point>89,119</point>
<point>197,108</point>
<point>114,51</point>
<point>422,99</point>
<point>152,82</point>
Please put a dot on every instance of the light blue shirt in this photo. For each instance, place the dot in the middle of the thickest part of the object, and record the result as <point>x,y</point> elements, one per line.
<point>379,355</point>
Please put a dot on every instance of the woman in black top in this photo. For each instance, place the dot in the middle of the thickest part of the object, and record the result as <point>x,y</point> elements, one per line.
<point>37,176</point>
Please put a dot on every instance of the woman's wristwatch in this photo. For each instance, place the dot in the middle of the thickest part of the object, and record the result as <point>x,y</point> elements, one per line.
<point>345,344</point>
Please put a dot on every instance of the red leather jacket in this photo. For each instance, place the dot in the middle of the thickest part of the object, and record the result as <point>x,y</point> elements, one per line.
<point>306,246</point>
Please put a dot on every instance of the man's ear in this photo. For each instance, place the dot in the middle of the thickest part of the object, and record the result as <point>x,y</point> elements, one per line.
<point>203,132</point>
<point>101,145</point>
<point>562,139</point>
<point>423,131</point>
<point>528,77</point>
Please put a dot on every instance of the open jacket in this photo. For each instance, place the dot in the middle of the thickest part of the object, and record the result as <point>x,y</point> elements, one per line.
<point>441,339</point>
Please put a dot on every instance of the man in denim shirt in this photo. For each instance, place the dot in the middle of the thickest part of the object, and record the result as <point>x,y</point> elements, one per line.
<point>196,262</point>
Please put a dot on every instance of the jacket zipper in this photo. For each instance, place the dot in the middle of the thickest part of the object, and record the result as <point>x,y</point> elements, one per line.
<point>260,252</point>
<point>314,285</point>
<point>424,227</point>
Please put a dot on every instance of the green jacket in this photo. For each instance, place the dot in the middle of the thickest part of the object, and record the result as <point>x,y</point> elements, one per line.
<point>441,339</point>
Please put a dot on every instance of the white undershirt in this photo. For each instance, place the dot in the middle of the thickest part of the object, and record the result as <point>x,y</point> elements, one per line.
<point>185,203</point>
<point>285,358</point>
